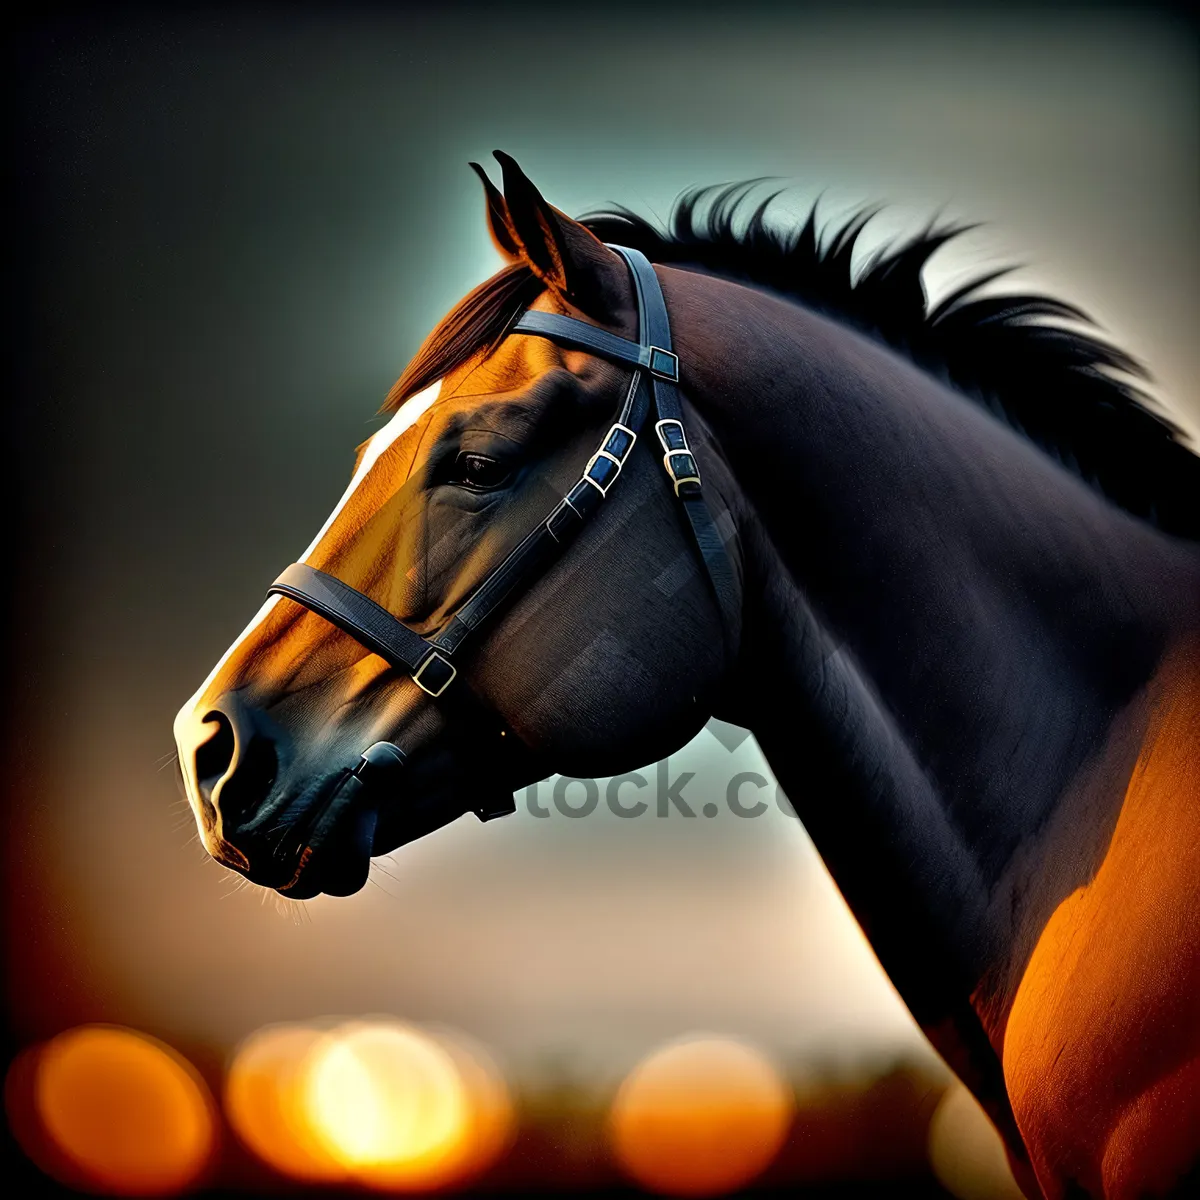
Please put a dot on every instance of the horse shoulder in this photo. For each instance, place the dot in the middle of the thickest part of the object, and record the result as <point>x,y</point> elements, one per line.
<point>1101,1053</point>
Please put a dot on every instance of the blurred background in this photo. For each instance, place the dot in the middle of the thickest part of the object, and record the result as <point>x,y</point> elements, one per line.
<point>234,227</point>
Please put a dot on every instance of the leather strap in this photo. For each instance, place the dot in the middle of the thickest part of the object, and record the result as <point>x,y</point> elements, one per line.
<point>654,329</point>
<point>650,356</point>
<point>354,613</point>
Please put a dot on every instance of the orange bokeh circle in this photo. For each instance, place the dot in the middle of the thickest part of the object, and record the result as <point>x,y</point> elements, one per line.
<point>127,1114</point>
<point>700,1117</point>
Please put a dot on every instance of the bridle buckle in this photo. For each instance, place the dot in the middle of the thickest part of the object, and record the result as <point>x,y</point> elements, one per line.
<point>663,363</point>
<point>618,442</point>
<point>678,459</point>
<point>608,476</point>
<point>435,674</point>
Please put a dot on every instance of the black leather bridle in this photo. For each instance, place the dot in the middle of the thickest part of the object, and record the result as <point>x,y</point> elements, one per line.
<point>429,660</point>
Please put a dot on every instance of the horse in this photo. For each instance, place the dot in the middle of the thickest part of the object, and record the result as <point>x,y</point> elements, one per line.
<point>942,560</point>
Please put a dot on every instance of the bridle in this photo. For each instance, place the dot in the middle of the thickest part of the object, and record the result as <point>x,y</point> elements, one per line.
<point>429,660</point>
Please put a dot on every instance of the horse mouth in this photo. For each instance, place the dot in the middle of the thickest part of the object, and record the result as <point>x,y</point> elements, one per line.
<point>323,844</point>
<point>334,838</point>
<point>305,855</point>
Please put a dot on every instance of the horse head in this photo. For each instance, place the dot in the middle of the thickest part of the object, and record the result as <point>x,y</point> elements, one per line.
<point>605,658</point>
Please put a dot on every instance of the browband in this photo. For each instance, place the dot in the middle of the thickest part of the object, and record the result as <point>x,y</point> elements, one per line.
<point>656,373</point>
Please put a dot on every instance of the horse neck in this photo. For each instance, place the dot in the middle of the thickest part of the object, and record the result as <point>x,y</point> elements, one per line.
<point>944,629</point>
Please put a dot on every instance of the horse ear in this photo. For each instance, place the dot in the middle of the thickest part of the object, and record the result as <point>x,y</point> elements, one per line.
<point>499,222</point>
<point>567,257</point>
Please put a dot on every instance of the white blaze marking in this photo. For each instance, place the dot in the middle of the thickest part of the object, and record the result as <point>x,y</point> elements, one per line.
<point>411,412</point>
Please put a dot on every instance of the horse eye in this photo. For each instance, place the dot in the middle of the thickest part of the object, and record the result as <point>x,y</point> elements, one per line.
<point>479,471</point>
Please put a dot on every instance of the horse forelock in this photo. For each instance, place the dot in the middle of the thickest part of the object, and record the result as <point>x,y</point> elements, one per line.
<point>476,323</point>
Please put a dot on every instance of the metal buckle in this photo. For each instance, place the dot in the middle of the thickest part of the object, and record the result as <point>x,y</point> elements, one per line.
<point>680,479</point>
<point>603,490</point>
<point>623,429</point>
<point>663,363</point>
<point>676,426</point>
<point>416,678</point>
<point>663,439</point>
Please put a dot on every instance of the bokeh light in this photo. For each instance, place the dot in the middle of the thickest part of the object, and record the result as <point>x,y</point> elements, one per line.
<point>264,1101</point>
<point>966,1152</point>
<point>377,1102</point>
<point>119,1112</point>
<point>388,1102</point>
<point>700,1117</point>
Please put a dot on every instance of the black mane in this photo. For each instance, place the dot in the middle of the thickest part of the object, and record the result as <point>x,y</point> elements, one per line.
<point>1072,394</point>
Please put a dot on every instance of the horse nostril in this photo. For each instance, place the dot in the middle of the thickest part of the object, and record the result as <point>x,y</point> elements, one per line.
<point>214,757</point>
<point>249,784</point>
<point>236,766</point>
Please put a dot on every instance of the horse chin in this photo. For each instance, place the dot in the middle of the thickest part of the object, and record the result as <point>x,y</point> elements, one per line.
<point>341,865</point>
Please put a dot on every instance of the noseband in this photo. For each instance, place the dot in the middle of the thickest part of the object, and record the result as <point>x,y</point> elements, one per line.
<point>429,660</point>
